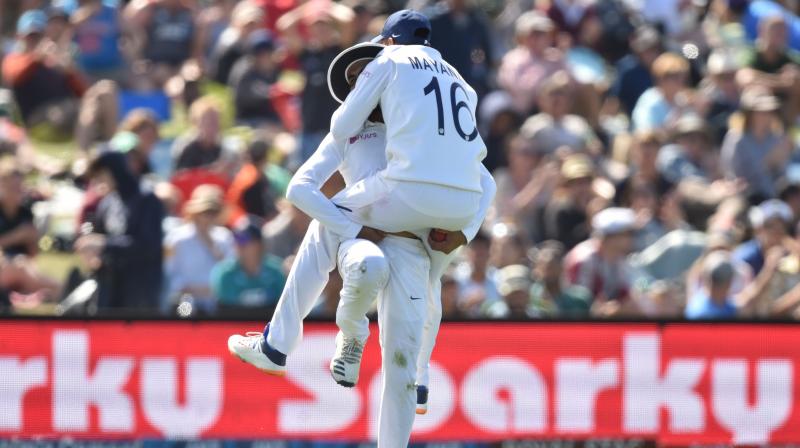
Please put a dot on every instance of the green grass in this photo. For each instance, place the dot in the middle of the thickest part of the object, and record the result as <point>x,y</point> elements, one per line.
<point>63,151</point>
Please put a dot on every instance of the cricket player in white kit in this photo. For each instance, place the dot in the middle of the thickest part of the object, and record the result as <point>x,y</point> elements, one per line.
<point>361,264</point>
<point>433,150</point>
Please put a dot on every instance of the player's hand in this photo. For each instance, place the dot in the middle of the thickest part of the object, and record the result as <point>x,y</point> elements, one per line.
<point>370,234</point>
<point>450,242</point>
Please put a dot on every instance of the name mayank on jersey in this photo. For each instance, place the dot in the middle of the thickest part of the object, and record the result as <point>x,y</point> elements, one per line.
<point>430,64</point>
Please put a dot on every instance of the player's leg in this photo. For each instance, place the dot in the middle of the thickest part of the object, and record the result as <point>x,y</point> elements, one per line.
<point>308,276</point>
<point>401,316</point>
<point>439,263</point>
<point>364,271</point>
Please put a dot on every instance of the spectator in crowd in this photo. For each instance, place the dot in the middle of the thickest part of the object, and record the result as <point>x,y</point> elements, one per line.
<point>98,33</point>
<point>642,167</point>
<point>253,278</point>
<point>714,300</point>
<point>252,80</point>
<point>45,88</point>
<point>508,246</point>
<point>553,127</point>
<point>524,69</point>
<point>757,153</point>
<point>450,309</point>
<point>196,247</point>
<point>170,196</point>
<point>168,35</point>
<point>498,122</point>
<point>274,10</point>
<point>689,155</point>
<point>476,284</point>
<point>723,26</point>
<point>789,192</point>
<point>59,28</point>
<point>565,217</point>
<point>127,143</point>
<point>717,242</point>
<point>125,233</point>
<point>599,264</point>
<point>770,221</point>
<point>772,64</point>
<point>571,18</point>
<point>644,202</point>
<point>329,30</point>
<point>250,192</point>
<point>144,126</point>
<point>722,91</point>
<point>658,103</point>
<point>661,300</point>
<point>201,146</point>
<point>633,70</point>
<point>462,33</point>
<point>18,236</point>
<point>513,284</point>
<point>550,295</point>
<point>211,23</point>
<point>365,14</point>
<point>246,18</point>
<point>285,232</point>
<point>781,293</point>
<point>523,187</point>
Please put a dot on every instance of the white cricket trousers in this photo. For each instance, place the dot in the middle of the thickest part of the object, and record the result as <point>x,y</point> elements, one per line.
<point>351,314</point>
<point>364,271</point>
<point>439,263</point>
<point>401,316</point>
<point>396,206</point>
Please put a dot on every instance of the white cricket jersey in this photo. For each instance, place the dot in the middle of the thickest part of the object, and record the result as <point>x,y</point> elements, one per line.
<point>430,116</point>
<point>356,158</point>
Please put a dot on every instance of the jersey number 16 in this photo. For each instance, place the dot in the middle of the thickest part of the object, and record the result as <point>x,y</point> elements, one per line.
<point>455,106</point>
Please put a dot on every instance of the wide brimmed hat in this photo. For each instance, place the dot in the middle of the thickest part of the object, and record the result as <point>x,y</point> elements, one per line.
<point>337,72</point>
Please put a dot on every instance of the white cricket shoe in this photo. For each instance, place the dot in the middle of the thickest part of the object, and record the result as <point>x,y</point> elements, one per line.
<point>248,349</point>
<point>422,399</point>
<point>347,361</point>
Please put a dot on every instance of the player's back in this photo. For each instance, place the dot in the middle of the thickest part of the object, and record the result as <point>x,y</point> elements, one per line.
<point>363,154</point>
<point>430,119</point>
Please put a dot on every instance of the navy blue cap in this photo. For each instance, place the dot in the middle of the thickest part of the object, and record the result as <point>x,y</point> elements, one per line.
<point>259,41</point>
<point>406,27</point>
<point>247,230</point>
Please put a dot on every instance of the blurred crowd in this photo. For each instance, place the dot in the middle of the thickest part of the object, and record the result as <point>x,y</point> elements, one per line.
<point>645,153</point>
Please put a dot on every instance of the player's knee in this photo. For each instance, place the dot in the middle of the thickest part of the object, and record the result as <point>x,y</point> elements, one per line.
<point>375,271</point>
<point>368,271</point>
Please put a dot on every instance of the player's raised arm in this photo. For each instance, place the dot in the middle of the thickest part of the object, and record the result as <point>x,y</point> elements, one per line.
<point>349,118</point>
<point>305,189</point>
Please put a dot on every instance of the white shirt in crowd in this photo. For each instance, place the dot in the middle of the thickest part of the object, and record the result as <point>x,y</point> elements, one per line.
<point>189,260</point>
